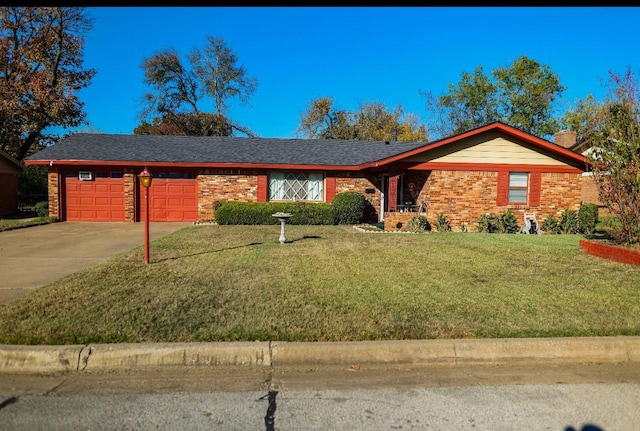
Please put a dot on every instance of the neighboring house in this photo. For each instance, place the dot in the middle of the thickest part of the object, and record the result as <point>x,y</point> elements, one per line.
<point>590,190</point>
<point>10,168</point>
<point>484,170</point>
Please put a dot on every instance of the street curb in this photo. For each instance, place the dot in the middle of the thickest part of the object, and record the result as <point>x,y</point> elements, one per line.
<point>454,352</point>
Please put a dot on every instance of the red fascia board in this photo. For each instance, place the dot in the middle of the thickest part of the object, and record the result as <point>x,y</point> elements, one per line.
<point>193,165</point>
<point>539,142</point>
<point>494,167</point>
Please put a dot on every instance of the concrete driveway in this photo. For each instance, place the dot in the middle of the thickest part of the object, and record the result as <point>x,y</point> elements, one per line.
<point>35,256</point>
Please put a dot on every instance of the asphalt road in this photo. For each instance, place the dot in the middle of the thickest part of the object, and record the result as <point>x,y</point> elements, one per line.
<point>564,398</point>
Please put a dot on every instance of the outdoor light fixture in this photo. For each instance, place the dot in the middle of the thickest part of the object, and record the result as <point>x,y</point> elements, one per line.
<point>145,181</point>
<point>145,178</point>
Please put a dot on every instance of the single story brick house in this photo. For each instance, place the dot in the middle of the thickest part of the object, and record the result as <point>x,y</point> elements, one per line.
<point>10,169</point>
<point>484,170</point>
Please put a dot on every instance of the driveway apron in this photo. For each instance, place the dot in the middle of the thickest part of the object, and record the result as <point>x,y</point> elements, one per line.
<point>35,256</point>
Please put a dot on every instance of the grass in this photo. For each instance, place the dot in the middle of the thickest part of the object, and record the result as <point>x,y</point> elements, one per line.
<point>22,220</point>
<point>212,283</point>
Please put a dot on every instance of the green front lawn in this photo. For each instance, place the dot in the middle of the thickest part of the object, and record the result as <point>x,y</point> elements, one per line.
<point>19,223</point>
<point>212,283</point>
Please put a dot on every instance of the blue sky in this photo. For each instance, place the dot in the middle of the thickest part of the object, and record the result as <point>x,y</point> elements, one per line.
<point>352,54</point>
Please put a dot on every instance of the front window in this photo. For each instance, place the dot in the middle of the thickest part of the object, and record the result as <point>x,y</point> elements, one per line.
<point>295,186</point>
<point>518,183</point>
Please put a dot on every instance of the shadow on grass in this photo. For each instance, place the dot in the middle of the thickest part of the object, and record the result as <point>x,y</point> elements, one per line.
<point>304,237</point>
<point>230,248</point>
<point>207,252</point>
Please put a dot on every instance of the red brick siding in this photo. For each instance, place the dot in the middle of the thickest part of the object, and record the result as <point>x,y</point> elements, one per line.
<point>591,194</point>
<point>352,183</point>
<point>559,192</point>
<point>397,220</point>
<point>54,188</point>
<point>8,193</point>
<point>130,179</point>
<point>463,196</point>
<point>223,185</point>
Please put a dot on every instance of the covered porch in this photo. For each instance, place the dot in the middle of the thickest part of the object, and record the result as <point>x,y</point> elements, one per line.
<point>403,197</point>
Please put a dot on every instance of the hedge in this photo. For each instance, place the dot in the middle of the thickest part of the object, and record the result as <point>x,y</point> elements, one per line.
<point>260,213</point>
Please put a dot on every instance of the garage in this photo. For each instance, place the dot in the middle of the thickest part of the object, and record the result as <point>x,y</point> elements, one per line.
<point>173,197</point>
<point>94,196</point>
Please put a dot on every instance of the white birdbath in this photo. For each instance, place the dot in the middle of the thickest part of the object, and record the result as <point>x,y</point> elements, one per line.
<point>283,217</point>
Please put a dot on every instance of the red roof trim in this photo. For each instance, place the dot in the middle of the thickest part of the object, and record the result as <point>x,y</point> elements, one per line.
<point>193,165</point>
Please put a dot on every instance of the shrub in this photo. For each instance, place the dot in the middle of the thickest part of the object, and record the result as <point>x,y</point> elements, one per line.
<point>502,223</point>
<point>550,225</point>
<point>487,223</point>
<point>507,222</point>
<point>261,213</point>
<point>418,224</point>
<point>42,209</point>
<point>349,207</point>
<point>442,224</point>
<point>610,226</point>
<point>569,221</point>
<point>588,218</point>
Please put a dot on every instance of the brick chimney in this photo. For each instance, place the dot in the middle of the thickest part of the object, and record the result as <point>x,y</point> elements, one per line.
<point>565,138</point>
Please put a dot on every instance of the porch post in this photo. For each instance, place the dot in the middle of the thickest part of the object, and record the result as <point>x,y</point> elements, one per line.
<point>392,205</point>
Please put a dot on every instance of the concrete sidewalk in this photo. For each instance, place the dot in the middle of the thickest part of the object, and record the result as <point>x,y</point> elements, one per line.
<point>455,352</point>
<point>35,256</point>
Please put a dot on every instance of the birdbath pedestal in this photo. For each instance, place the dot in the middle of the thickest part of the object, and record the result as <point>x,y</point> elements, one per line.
<point>283,217</point>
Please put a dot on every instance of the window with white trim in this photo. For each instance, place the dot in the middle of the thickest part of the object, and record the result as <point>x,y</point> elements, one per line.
<point>296,186</point>
<point>518,187</point>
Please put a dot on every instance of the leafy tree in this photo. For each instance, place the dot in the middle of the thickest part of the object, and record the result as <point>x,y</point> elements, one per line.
<point>186,124</point>
<point>586,116</point>
<point>173,107</point>
<point>468,105</point>
<point>322,120</point>
<point>521,95</point>
<point>41,72</point>
<point>614,132</point>
<point>373,121</point>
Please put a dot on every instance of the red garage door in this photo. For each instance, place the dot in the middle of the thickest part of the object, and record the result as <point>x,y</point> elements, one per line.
<point>99,197</point>
<point>172,198</point>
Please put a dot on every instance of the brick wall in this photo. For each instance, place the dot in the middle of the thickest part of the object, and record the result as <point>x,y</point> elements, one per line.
<point>559,192</point>
<point>565,138</point>
<point>351,183</point>
<point>8,193</point>
<point>590,194</point>
<point>129,178</point>
<point>398,220</point>
<point>463,196</point>
<point>53,192</point>
<point>224,185</point>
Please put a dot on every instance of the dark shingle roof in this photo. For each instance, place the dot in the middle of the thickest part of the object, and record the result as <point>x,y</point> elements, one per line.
<point>232,150</point>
